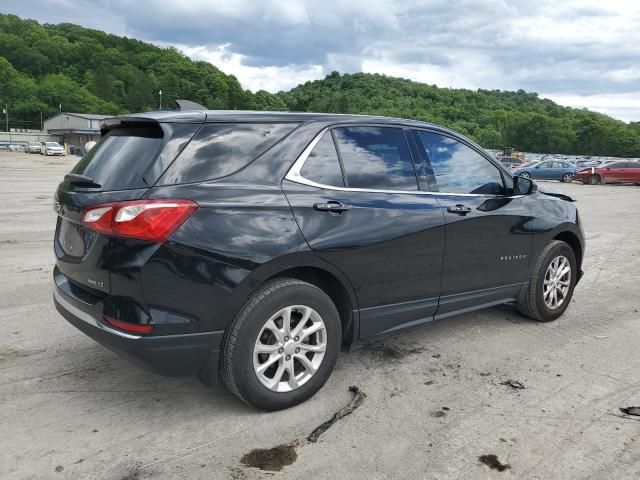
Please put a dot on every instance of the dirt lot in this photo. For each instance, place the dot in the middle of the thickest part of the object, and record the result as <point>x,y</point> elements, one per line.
<point>435,400</point>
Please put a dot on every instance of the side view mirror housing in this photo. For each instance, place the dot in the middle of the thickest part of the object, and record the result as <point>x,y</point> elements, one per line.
<point>524,186</point>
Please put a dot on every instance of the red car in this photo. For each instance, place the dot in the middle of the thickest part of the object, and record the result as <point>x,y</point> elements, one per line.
<point>616,172</point>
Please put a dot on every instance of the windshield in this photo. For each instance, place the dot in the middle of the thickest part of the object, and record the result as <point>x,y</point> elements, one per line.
<point>52,144</point>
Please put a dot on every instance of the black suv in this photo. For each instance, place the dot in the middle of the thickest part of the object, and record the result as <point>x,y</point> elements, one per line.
<point>254,246</point>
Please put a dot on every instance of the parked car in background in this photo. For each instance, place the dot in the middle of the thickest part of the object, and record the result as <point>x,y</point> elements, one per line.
<point>52,148</point>
<point>613,172</point>
<point>511,163</point>
<point>548,170</point>
<point>33,147</point>
<point>257,245</point>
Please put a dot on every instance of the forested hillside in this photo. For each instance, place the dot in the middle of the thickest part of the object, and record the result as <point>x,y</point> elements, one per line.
<point>493,118</point>
<point>42,66</point>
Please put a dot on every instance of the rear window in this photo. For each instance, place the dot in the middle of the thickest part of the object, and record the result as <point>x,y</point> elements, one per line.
<point>120,158</point>
<point>221,149</point>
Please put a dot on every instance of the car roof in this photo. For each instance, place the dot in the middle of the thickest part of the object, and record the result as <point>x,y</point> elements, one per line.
<point>213,116</point>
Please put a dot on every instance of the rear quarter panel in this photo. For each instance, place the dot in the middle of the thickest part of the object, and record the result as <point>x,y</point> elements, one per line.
<point>240,236</point>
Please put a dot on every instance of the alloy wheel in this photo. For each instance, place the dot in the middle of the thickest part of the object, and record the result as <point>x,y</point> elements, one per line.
<point>557,281</point>
<point>290,348</point>
<point>567,178</point>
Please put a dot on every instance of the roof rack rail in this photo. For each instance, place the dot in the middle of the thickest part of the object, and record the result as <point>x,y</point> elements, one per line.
<point>184,105</point>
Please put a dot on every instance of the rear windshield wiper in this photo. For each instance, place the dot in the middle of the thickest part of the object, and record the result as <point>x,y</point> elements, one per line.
<point>81,180</point>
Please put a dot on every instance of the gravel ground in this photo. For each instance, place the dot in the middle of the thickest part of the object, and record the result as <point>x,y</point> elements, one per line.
<point>436,404</point>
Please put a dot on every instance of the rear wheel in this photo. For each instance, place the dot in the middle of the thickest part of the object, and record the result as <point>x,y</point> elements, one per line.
<point>593,180</point>
<point>551,285</point>
<point>525,175</point>
<point>567,178</point>
<point>282,346</point>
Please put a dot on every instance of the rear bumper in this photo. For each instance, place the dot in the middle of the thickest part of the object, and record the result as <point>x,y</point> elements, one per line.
<point>170,355</point>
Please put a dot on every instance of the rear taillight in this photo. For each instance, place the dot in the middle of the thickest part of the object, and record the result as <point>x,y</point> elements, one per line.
<point>153,220</point>
<point>129,327</point>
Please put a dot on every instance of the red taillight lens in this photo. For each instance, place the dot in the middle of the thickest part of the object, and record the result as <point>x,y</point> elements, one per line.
<point>128,327</point>
<point>153,220</point>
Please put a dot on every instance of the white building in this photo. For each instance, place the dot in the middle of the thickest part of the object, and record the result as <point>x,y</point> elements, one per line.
<point>76,128</point>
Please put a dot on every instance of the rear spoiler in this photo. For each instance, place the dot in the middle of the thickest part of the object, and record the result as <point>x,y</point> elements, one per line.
<point>186,105</point>
<point>186,112</point>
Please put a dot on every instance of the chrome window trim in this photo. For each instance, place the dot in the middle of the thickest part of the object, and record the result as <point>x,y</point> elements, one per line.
<point>294,175</point>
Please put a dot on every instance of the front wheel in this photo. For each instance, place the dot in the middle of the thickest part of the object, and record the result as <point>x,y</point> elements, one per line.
<point>567,178</point>
<point>593,180</point>
<point>552,283</point>
<point>282,346</point>
<point>525,175</point>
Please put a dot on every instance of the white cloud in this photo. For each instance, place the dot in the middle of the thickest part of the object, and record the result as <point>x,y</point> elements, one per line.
<point>270,78</point>
<point>624,106</point>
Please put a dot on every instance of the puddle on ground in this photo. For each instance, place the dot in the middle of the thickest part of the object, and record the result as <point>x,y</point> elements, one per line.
<point>271,459</point>
<point>493,463</point>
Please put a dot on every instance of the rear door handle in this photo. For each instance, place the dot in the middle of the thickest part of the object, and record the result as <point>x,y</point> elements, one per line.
<point>331,207</point>
<point>458,209</point>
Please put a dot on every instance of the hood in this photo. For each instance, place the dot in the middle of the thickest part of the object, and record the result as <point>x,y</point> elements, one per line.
<point>552,192</point>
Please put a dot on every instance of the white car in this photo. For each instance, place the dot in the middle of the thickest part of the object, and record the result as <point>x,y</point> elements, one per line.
<point>33,147</point>
<point>52,148</point>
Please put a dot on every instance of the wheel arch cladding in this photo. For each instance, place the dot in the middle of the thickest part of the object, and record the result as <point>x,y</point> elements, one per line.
<point>334,288</point>
<point>572,240</point>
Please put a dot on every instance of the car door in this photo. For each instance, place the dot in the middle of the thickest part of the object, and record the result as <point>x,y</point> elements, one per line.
<point>633,172</point>
<point>355,195</point>
<point>487,244</point>
<point>614,172</point>
<point>542,171</point>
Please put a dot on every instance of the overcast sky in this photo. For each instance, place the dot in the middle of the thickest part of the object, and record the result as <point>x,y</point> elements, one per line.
<point>578,53</point>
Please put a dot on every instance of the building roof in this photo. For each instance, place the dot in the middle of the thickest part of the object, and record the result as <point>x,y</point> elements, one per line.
<point>87,116</point>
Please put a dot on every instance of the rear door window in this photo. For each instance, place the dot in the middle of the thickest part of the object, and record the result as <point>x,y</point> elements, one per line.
<point>322,165</point>
<point>220,149</point>
<point>376,158</point>
<point>120,158</point>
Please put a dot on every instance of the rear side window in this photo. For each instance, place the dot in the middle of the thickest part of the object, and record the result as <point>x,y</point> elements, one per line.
<point>458,168</point>
<point>376,158</point>
<point>322,164</point>
<point>221,149</point>
<point>120,158</point>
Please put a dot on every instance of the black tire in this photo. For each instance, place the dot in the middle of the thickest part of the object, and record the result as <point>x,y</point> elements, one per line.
<point>593,180</point>
<point>567,178</point>
<point>236,359</point>
<point>532,303</point>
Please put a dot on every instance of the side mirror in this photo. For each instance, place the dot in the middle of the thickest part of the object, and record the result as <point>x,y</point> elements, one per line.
<point>524,186</point>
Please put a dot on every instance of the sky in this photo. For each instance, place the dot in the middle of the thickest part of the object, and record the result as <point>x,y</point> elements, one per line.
<point>577,53</point>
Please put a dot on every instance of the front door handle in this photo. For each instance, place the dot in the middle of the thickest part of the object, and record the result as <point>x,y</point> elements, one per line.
<point>331,207</point>
<point>458,209</point>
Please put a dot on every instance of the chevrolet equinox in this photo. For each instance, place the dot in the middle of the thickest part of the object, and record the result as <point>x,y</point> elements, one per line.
<point>254,246</point>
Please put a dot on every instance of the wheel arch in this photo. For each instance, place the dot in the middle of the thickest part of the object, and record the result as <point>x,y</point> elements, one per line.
<point>573,241</point>
<point>335,288</point>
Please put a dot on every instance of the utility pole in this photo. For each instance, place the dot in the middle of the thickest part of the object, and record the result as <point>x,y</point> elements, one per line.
<point>41,124</point>
<point>6,115</point>
<point>160,93</point>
